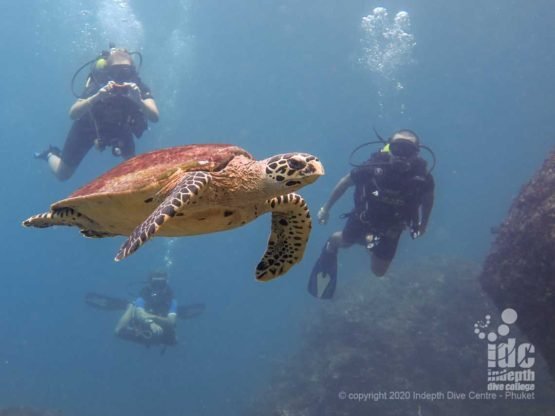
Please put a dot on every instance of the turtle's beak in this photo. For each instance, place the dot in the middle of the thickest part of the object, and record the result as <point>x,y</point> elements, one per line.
<point>314,167</point>
<point>313,170</point>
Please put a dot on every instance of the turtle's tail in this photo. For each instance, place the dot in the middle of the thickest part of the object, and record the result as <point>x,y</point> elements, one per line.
<point>60,216</point>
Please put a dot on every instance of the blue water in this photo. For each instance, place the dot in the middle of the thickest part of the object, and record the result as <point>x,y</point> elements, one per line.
<point>272,77</point>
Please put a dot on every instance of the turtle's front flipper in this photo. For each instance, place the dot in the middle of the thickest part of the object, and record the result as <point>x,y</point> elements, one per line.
<point>186,191</point>
<point>291,226</point>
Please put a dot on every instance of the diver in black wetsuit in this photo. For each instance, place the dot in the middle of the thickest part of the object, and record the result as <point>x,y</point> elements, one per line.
<point>393,191</point>
<point>114,107</point>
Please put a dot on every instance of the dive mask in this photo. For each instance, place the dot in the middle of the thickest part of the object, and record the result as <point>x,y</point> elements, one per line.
<point>158,284</point>
<point>121,73</point>
<point>403,148</point>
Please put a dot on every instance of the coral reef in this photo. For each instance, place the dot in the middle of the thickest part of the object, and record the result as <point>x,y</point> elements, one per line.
<point>520,269</point>
<point>411,332</point>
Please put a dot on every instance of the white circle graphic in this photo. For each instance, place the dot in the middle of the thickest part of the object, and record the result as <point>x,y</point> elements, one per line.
<point>509,316</point>
<point>503,330</point>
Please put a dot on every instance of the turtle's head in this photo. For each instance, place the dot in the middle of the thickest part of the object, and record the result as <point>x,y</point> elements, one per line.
<point>292,171</point>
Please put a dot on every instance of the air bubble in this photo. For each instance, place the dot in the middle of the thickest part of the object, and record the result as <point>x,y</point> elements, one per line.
<point>387,43</point>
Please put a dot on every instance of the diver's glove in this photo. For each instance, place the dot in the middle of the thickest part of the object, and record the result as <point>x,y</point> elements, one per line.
<point>156,329</point>
<point>323,215</point>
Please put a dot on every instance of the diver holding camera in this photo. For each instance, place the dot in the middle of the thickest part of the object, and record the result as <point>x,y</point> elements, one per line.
<point>128,90</point>
<point>114,107</point>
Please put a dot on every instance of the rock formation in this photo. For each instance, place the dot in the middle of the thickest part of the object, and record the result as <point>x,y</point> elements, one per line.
<point>409,333</point>
<point>520,270</point>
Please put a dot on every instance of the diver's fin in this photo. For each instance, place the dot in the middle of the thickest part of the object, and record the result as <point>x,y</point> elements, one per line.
<point>323,278</point>
<point>104,302</point>
<point>111,303</point>
<point>190,311</point>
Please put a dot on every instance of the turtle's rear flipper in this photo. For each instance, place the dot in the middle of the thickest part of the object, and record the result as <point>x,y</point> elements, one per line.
<point>96,234</point>
<point>291,226</point>
<point>323,278</point>
<point>59,216</point>
<point>186,191</point>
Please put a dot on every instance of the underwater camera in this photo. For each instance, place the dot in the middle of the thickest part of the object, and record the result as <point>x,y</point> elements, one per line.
<point>120,89</point>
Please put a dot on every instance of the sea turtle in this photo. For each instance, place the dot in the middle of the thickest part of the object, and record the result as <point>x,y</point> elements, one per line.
<point>195,189</point>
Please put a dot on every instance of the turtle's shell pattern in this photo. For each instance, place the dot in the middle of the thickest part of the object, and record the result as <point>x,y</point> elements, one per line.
<point>153,168</point>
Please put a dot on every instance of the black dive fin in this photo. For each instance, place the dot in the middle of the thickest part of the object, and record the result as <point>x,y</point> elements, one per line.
<point>190,311</point>
<point>110,303</point>
<point>107,303</point>
<point>323,278</point>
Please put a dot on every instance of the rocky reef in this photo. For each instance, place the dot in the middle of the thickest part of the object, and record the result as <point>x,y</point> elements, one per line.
<point>384,346</point>
<point>520,269</point>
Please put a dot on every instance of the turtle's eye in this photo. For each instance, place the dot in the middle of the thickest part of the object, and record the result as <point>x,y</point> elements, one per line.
<point>296,164</point>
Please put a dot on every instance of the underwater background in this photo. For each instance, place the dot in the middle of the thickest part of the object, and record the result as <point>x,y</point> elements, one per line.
<point>473,78</point>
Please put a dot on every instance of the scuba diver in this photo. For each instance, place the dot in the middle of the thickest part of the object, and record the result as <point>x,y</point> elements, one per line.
<point>394,190</point>
<point>114,106</point>
<point>151,318</point>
